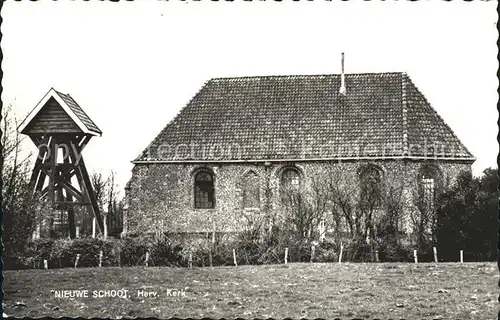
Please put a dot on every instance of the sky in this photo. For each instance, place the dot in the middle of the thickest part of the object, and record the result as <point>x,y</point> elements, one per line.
<point>133,65</point>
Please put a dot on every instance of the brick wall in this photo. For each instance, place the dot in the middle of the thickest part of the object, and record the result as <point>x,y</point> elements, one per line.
<point>161,197</point>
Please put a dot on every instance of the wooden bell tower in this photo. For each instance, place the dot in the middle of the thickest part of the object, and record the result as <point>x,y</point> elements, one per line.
<point>60,129</point>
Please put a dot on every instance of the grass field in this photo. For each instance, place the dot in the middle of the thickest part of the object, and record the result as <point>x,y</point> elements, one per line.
<point>309,290</point>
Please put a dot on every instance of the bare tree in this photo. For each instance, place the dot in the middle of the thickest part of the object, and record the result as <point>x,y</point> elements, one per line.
<point>356,206</point>
<point>345,198</point>
<point>423,216</point>
<point>115,206</point>
<point>100,185</point>
<point>19,211</point>
<point>306,204</point>
<point>389,225</point>
<point>110,204</point>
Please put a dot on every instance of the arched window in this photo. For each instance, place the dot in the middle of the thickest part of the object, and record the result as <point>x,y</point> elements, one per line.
<point>251,190</point>
<point>290,187</point>
<point>371,186</point>
<point>290,179</point>
<point>429,178</point>
<point>204,190</point>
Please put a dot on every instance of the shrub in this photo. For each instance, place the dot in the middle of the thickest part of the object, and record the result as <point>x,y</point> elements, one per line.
<point>357,250</point>
<point>395,252</point>
<point>202,248</point>
<point>14,261</point>
<point>327,252</point>
<point>166,252</point>
<point>132,251</point>
<point>35,252</point>
<point>250,247</point>
<point>222,254</point>
<point>64,252</point>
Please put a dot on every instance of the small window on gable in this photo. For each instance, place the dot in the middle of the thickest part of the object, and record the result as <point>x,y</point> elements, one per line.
<point>251,190</point>
<point>204,190</point>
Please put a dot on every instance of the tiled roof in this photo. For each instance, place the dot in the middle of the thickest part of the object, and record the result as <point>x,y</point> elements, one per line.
<point>78,111</point>
<point>305,117</point>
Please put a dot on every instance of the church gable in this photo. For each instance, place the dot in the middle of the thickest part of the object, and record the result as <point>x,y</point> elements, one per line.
<point>428,134</point>
<point>58,113</point>
<point>52,118</point>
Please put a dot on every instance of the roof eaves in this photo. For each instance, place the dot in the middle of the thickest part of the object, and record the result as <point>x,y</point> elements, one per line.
<point>348,158</point>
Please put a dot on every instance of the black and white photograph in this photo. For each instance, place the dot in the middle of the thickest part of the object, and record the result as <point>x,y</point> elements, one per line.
<point>250,159</point>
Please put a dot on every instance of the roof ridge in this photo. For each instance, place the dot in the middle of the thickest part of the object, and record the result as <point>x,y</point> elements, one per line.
<point>308,76</point>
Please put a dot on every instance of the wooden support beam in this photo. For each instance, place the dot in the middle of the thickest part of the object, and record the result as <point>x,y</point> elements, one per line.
<point>66,183</point>
<point>83,143</point>
<point>90,191</point>
<point>40,140</point>
<point>71,217</point>
<point>44,192</point>
<point>36,170</point>
<point>59,176</point>
<point>38,175</point>
<point>40,181</point>
<point>72,191</point>
<point>52,174</point>
<point>65,202</point>
<point>86,187</point>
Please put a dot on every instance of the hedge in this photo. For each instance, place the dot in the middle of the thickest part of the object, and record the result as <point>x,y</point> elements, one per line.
<point>174,251</point>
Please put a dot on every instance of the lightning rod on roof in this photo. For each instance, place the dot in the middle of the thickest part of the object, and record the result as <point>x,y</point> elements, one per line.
<point>342,89</point>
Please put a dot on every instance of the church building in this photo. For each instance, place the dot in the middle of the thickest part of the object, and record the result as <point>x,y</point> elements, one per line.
<point>228,153</point>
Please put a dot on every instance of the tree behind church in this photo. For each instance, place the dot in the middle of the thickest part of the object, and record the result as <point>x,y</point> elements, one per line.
<point>467,218</point>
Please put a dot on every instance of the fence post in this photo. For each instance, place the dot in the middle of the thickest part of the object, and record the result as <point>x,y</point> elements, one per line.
<point>213,232</point>
<point>190,260</point>
<point>45,265</point>
<point>119,255</point>
<point>77,234</point>
<point>77,259</point>
<point>313,251</point>
<point>376,256</point>
<point>234,258</point>
<point>415,256</point>
<point>286,255</point>
<point>461,256</point>
<point>105,229</point>
<point>341,251</point>
<point>212,245</point>
<point>100,258</point>
<point>36,232</point>
<point>147,258</point>
<point>93,227</point>
<point>434,249</point>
